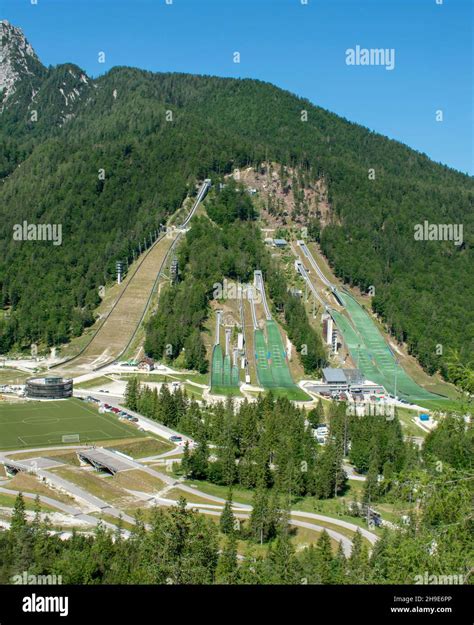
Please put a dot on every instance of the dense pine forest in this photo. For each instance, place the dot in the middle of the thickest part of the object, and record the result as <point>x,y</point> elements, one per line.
<point>273,433</point>
<point>182,547</point>
<point>245,442</point>
<point>124,150</point>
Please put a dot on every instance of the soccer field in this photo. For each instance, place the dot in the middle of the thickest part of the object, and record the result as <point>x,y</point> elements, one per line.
<point>38,424</point>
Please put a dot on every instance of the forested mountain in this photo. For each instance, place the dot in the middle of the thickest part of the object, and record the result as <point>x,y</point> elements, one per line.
<point>110,158</point>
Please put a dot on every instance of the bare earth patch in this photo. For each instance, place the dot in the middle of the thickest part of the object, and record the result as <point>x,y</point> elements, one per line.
<point>22,482</point>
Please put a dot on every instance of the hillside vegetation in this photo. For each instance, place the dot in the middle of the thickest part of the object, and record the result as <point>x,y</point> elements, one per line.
<point>119,124</point>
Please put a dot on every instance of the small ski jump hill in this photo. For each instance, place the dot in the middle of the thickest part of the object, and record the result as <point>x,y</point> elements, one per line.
<point>225,377</point>
<point>270,355</point>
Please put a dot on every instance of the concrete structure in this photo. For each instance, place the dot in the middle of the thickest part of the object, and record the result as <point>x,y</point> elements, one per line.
<point>174,270</point>
<point>334,377</point>
<point>103,461</point>
<point>206,185</point>
<point>301,269</point>
<point>344,381</point>
<point>354,377</point>
<point>327,328</point>
<point>119,270</point>
<point>295,292</point>
<point>218,323</point>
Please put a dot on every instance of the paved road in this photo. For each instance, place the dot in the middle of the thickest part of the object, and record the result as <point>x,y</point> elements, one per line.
<point>71,488</point>
<point>147,424</point>
<point>303,519</point>
<point>240,514</point>
<point>352,475</point>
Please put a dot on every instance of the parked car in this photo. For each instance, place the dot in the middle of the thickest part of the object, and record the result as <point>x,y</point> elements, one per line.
<point>376,518</point>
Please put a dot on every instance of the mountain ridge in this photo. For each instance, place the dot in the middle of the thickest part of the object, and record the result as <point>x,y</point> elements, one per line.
<point>118,122</point>
<point>17,60</point>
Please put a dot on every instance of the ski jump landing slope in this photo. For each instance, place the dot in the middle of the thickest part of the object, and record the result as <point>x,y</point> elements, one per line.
<point>366,344</point>
<point>117,331</point>
<point>270,355</point>
<point>223,373</point>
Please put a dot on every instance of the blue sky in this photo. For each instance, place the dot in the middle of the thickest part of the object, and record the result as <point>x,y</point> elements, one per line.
<point>300,47</point>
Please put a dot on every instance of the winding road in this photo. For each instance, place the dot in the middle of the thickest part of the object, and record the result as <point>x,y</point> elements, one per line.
<point>298,518</point>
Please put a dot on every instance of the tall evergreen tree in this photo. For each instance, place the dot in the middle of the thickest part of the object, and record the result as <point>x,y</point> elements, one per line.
<point>227,571</point>
<point>227,518</point>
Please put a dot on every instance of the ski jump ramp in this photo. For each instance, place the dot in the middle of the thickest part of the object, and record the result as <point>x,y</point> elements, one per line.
<point>367,346</point>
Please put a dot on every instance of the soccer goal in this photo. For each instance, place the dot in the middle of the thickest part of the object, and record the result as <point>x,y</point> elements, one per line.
<point>71,438</point>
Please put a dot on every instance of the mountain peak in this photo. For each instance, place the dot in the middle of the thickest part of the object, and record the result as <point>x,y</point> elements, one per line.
<point>17,59</point>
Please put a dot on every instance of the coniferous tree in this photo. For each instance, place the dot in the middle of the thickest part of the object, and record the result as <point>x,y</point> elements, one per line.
<point>316,415</point>
<point>324,558</point>
<point>339,566</point>
<point>227,518</point>
<point>258,528</point>
<point>185,460</point>
<point>281,564</point>
<point>227,571</point>
<point>199,459</point>
<point>132,393</point>
<point>358,562</point>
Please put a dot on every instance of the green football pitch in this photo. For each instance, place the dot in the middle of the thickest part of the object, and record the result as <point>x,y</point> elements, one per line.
<point>38,424</point>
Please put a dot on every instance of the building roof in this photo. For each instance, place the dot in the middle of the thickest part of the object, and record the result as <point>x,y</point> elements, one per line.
<point>354,376</point>
<point>344,376</point>
<point>103,460</point>
<point>48,380</point>
<point>147,361</point>
<point>334,375</point>
<point>279,242</point>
